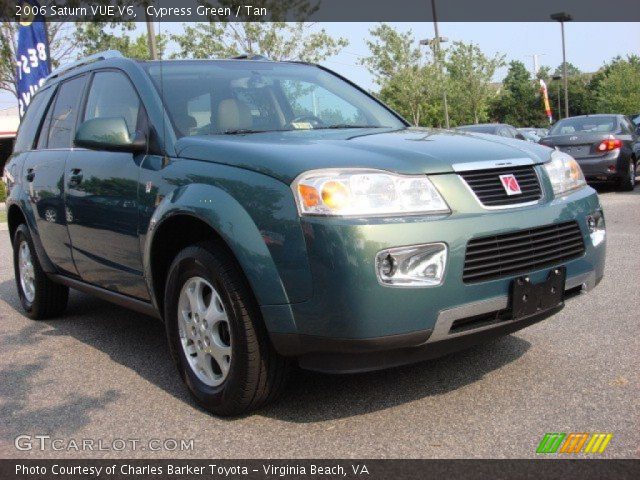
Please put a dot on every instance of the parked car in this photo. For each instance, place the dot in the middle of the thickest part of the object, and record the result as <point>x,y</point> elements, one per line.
<point>607,147</point>
<point>540,132</point>
<point>500,129</point>
<point>531,136</point>
<point>635,119</point>
<point>285,215</point>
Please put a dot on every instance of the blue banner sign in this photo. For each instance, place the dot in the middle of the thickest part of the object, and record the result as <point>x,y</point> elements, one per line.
<point>32,60</point>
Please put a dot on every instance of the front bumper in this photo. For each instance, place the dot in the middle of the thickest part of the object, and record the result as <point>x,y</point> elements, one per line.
<point>334,355</point>
<point>353,317</point>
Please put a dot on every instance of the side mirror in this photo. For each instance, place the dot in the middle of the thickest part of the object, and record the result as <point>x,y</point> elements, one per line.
<point>520,136</point>
<point>109,134</point>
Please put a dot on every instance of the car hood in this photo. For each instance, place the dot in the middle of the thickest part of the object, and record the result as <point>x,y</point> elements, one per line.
<point>287,154</point>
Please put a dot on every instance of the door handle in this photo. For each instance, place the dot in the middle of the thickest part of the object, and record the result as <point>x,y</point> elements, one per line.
<point>31,174</point>
<point>76,177</point>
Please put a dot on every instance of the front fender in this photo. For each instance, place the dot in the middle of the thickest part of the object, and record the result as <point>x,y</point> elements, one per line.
<point>233,223</point>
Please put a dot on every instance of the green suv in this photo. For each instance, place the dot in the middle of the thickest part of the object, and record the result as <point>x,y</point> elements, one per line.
<point>274,213</point>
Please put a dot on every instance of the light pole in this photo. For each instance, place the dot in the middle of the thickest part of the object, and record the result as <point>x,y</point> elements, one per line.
<point>151,36</point>
<point>564,17</point>
<point>435,44</point>
<point>558,78</point>
<point>536,67</point>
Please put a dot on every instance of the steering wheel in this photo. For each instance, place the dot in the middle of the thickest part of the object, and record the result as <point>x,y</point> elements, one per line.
<point>314,121</point>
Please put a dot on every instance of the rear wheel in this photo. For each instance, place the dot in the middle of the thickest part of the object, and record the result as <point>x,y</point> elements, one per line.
<point>40,297</point>
<point>628,181</point>
<point>216,334</point>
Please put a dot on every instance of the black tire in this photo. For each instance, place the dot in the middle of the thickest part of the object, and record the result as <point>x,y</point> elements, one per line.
<point>627,182</point>
<point>257,373</point>
<point>50,298</point>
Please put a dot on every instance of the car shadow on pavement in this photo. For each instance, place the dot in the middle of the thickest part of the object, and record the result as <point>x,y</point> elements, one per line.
<point>310,397</point>
<point>315,397</point>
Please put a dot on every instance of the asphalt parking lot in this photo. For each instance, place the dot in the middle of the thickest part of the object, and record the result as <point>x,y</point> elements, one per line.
<point>104,373</point>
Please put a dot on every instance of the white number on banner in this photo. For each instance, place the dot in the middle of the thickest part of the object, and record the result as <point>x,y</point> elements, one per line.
<point>42,52</point>
<point>25,64</point>
<point>33,57</point>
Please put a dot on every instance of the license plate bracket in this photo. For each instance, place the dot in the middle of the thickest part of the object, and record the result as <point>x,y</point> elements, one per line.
<point>528,298</point>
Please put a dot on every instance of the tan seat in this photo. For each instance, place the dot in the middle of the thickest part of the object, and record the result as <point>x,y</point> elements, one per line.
<point>233,115</point>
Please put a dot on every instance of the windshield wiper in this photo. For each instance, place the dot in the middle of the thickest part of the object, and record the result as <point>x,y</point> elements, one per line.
<point>346,125</point>
<point>241,131</point>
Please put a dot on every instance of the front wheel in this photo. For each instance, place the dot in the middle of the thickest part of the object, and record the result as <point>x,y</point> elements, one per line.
<point>216,334</point>
<point>628,181</point>
<point>40,297</point>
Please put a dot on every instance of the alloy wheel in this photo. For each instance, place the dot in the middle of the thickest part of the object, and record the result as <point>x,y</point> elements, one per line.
<point>204,330</point>
<point>27,274</point>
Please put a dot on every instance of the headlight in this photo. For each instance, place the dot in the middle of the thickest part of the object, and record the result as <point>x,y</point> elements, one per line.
<point>564,172</point>
<point>360,192</point>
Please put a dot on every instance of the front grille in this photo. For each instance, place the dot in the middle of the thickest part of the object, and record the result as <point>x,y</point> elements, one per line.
<point>488,258</point>
<point>489,190</point>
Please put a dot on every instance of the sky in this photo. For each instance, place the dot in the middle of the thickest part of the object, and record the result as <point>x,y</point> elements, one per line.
<point>589,45</point>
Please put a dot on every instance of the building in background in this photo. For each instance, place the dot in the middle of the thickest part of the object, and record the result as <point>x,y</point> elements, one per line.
<point>9,121</point>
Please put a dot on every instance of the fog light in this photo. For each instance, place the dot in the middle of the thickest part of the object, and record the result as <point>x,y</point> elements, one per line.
<point>412,266</point>
<point>596,226</point>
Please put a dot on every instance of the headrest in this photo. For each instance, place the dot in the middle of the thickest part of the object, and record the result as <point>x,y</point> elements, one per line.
<point>233,115</point>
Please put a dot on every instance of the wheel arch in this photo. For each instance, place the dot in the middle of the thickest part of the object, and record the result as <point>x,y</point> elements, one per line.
<point>181,220</point>
<point>15,217</point>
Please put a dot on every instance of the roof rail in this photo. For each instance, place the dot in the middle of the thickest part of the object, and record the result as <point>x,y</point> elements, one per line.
<point>83,61</point>
<point>247,56</point>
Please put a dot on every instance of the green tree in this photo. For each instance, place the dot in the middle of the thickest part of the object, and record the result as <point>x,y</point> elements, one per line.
<point>618,90</point>
<point>519,101</point>
<point>408,78</point>
<point>275,40</point>
<point>413,92</point>
<point>96,37</point>
<point>391,52</point>
<point>581,97</point>
<point>571,70</point>
<point>470,73</point>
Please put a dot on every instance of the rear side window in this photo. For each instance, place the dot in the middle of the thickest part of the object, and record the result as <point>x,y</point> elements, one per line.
<point>111,95</point>
<point>32,120</point>
<point>65,113</point>
<point>627,126</point>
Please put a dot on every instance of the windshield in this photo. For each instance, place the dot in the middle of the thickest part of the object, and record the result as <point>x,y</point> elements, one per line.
<point>568,126</point>
<point>246,96</point>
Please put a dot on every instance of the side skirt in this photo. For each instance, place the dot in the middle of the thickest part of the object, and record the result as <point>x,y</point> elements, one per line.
<point>113,297</point>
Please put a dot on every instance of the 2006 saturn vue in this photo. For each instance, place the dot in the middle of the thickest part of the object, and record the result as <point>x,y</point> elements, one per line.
<point>273,212</point>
